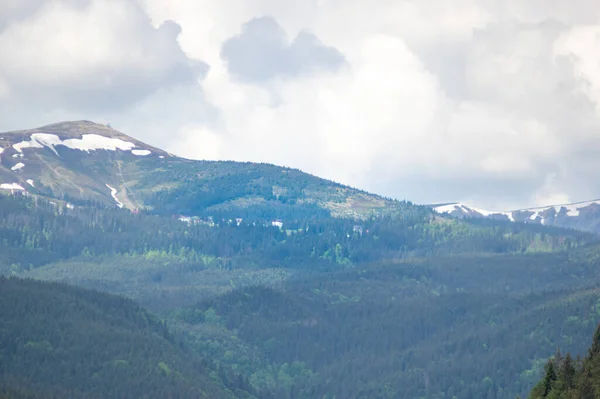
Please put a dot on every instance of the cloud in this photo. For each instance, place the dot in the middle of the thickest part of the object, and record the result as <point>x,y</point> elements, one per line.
<point>435,106</point>
<point>90,55</point>
<point>262,52</point>
<point>497,104</point>
<point>12,11</point>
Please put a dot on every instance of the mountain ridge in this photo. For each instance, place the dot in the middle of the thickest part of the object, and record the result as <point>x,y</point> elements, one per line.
<point>581,215</point>
<point>81,161</point>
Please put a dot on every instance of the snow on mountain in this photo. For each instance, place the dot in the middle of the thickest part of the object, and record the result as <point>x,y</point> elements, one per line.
<point>462,210</point>
<point>113,193</point>
<point>579,215</point>
<point>141,153</point>
<point>11,186</point>
<point>18,166</point>
<point>87,143</point>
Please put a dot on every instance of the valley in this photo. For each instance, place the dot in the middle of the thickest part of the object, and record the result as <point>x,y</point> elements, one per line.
<point>266,282</point>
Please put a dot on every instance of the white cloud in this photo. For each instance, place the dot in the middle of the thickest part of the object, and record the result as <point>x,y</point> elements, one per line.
<point>103,54</point>
<point>198,142</point>
<point>582,47</point>
<point>498,103</point>
<point>319,122</point>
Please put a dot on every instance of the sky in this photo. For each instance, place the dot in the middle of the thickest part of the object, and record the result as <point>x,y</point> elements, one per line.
<point>495,103</point>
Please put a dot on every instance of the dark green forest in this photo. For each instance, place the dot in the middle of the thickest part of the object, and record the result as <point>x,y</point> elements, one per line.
<point>569,377</point>
<point>409,304</point>
<point>66,342</point>
<point>439,328</point>
<point>36,232</point>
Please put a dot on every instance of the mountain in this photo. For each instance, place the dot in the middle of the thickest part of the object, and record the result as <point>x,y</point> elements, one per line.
<point>330,307</point>
<point>464,326</point>
<point>60,341</point>
<point>578,215</point>
<point>83,162</point>
<point>284,284</point>
<point>165,263</point>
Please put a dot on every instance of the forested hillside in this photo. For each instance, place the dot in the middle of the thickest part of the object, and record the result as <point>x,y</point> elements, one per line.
<point>465,327</point>
<point>404,305</point>
<point>164,262</point>
<point>41,231</point>
<point>66,342</point>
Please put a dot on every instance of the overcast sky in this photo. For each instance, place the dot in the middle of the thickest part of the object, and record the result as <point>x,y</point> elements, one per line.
<point>491,102</point>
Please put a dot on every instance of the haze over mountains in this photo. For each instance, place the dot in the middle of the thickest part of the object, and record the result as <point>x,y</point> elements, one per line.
<point>267,282</point>
<point>202,265</point>
<point>84,161</point>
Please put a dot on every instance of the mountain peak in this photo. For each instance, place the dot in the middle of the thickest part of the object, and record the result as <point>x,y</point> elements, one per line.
<point>74,159</point>
<point>73,134</point>
<point>74,129</point>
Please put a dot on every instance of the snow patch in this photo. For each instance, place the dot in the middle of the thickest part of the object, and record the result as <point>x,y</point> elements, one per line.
<point>47,140</point>
<point>30,182</point>
<point>1,150</point>
<point>18,166</point>
<point>11,186</point>
<point>141,153</point>
<point>534,216</point>
<point>470,211</point>
<point>17,156</point>
<point>87,143</point>
<point>19,147</point>
<point>447,208</point>
<point>93,142</point>
<point>161,156</point>
<point>113,193</point>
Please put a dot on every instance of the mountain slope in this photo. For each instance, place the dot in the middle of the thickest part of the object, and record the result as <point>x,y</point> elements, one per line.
<point>66,342</point>
<point>361,311</point>
<point>466,326</point>
<point>83,161</point>
<point>163,262</point>
<point>578,215</point>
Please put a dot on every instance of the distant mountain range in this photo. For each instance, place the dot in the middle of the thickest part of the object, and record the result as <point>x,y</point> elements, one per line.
<point>579,215</point>
<point>82,162</point>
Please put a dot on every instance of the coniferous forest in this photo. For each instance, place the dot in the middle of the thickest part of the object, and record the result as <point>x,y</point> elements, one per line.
<point>407,305</point>
<point>571,377</point>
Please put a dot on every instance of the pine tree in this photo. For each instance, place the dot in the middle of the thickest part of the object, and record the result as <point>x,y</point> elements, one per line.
<point>567,373</point>
<point>549,378</point>
<point>586,387</point>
